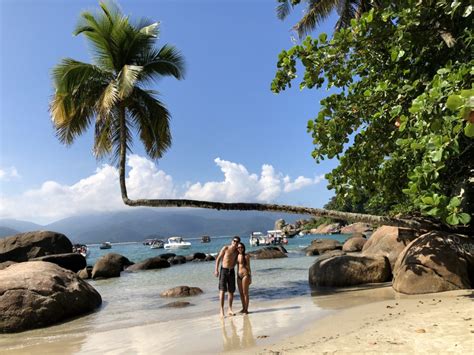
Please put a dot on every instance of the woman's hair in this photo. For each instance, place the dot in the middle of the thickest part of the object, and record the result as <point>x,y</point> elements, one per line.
<point>244,260</point>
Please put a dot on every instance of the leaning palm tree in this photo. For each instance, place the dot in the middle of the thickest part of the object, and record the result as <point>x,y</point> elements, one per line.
<point>110,93</point>
<point>318,10</point>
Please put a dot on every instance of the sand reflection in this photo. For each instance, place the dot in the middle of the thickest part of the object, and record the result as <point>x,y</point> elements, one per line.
<point>237,333</point>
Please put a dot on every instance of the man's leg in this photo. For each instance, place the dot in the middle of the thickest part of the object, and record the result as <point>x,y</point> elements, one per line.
<point>221,299</point>
<point>231,300</point>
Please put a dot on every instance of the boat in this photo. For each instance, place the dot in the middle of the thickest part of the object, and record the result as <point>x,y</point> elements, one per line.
<point>81,249</point>
<point>157,244</point>
<point>276,237</point>
<point>205,239</point>
<point>256,239</point>
<point>105,245</point>
<point>177,243</point>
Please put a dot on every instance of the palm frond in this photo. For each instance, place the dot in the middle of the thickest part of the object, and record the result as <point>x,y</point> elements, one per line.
<point>168,61</point>
<point>151,119</point>
<point>347,10</point>
<point>127,79</point>
<point>103,137</point>
<point>284,8</point>
<point>316,12</point>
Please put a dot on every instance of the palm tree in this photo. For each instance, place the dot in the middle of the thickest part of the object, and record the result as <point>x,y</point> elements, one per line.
<point>318,10</point>
<point>111,92</point>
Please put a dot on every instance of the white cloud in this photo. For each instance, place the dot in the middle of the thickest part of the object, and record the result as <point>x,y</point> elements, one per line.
<point>9,173</point>
<point>101,190</point>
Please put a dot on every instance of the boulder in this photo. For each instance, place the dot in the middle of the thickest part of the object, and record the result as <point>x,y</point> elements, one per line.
<point>166,255</point>
<point>110,265</point>
<point>320,246</point>
<point>177,304</point>
<point>149,264</point>
<point>358,227</point>
<point>25,246</point>
<point>279,224</point>
<point>6,264</point>
<point>349,270</point>
<point>195,256</point>
<point>181,291</point>
<point>209,257</point>
<point>176,260</point>
<point>85,273</point>
<point>38,294</point>
<point>355,243</point>
<point>388,241</point>
<point>435,262</point>
<point>324,228</point>
<point>69,261</point>
<point>268,253</point>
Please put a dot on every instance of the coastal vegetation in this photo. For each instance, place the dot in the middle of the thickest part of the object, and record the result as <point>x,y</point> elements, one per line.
<point>403,102</point>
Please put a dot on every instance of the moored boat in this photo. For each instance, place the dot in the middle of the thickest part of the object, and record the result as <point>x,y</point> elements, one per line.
<point>177,243</point>
<point>276,237</point>
<point>256,239</point>
<point>105,245</point>
<point>205,239</point>
<point>157,244</point>
<point>81,249</point>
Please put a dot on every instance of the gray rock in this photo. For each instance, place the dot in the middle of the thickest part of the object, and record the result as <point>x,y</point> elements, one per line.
<point>176,260</point>
<point>279,224</point>
<point>149,264</point>
<point>6,264</point>
<point>435,262</point>
<point>209,258</point>
<point>38,294</point>
<point>69,261</point>
<point>268,253</point>
<point>320,246</point>
<point>349,270</point>
<point>181,291</point>
<point>85,273</point>
<point>110,265</point>
<point>25,246</point>
<point>354,244</point>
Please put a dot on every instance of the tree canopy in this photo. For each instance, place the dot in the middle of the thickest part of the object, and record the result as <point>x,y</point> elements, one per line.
<point>400,114</point>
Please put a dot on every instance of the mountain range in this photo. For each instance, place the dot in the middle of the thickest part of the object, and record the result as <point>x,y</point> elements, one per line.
<point>138,224</point>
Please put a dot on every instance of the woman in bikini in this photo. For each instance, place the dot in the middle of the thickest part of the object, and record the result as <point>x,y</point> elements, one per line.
<point>244,277</point>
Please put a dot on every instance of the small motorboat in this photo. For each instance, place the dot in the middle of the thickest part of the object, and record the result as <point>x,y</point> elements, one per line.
<point>157,244</point>
<point>105,245</point>
<point>276,237</point>
<point>205,239</point>
<point>81,249</point>
<point>256,239</point>
<point>177,243</point>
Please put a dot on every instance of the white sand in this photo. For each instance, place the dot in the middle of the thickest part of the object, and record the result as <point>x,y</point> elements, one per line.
<point>433,323</point>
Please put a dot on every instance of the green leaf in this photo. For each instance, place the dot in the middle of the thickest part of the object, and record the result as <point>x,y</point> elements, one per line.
<point>323,37</point>
<point>464,218</point>
<point>454,102</point>
<point>370,16</point>
<point>452,219</point>
<point>455,202</point>
<point>469,130</point>
<point>427,200</point>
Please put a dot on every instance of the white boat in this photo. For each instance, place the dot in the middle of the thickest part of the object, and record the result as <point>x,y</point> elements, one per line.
<point>276,237</point>
<point>105,245</point>
<point>157,244</point>
<point>256,239</point>
<point>177,243</point>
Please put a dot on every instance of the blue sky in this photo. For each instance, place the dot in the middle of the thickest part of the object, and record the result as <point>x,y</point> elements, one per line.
<point>233,139</point>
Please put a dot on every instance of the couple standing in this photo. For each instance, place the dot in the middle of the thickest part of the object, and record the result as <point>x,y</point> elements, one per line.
<point>231,255</point>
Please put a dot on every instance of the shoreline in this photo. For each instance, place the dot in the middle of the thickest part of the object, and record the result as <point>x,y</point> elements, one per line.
<point>437,322</point>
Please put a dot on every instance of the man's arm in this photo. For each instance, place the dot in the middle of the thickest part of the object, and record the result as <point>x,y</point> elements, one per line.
<point>218,260</point>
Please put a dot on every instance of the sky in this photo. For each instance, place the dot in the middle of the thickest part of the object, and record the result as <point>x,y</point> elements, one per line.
<point>233,139</point>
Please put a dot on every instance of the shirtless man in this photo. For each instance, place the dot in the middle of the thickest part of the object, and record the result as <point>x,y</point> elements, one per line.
<point>226,273</point>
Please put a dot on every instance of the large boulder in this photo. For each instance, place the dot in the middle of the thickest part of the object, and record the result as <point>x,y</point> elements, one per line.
<point>435,262</point>
<point>177,260</point>
<point>320,246</point>
<point>349,270</point>
<point>357,227</point>
<point>37,294</point>
<point>6,264</point>
<point>85,273</point>
<point>388,241</point>
<point>268,253</point>
<point>279,224</point>
<point>195,257</point>
<point>355,243</point>
<point>25,246</point>
<point>69,261</point>
<point>110,265</point>
<point>150,264</point>
<point>181,291</point>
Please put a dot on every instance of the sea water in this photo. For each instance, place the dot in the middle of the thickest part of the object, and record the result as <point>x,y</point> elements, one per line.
<point>133,299</point>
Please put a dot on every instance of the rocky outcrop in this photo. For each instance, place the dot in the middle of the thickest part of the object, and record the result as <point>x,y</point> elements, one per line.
<point>324,228</point>
<point>181,291</point>
<point>268,253</point>
<point>150,264</point>
<point>25,246</point>
<point>209,257</point>
<point>38,294</point>
<point>435,262</point>
<point>349,270</point>
<point>85,273</point>
<point>6,264</point>
<point>196,257</point>
<point>69,261</point>
<point>176,260</point>
<point>279,224</point>
<point>388,241</point>
<point>320,246</point>
<point>358,227</point>
<point>110,265</point>
<point>354,244</point>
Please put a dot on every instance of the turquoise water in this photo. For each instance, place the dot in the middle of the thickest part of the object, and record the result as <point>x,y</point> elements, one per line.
<point>133,299</point>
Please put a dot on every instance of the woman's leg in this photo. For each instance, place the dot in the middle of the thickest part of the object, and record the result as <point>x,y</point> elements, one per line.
<point>241,293</point>
<point>245,289</point>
